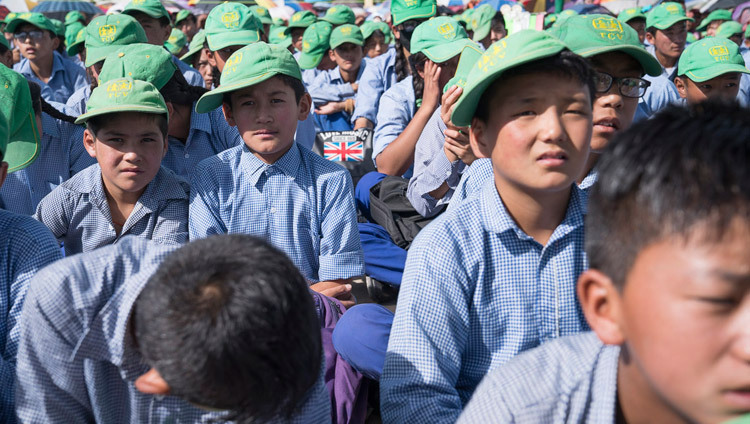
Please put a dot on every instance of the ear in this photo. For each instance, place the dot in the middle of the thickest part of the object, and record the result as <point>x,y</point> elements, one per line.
<point>601,304</point>
<point>151,383</point>
<point>681,87</point>
<point>228,115</point>
<point>331,55</point>
<point>3,172</point>
<point>167,32</point>
<point>89,142</point>
<point>650,38</point>
<point>55,43</point>
<point>304,107</point>
<point>481,147</point>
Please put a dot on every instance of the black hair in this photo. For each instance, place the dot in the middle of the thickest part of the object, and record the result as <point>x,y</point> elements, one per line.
<point>296,85</point>
<point>229,323</point>
<point>402,65</point>
<point>651,30</point>
<point>178,91</point>
<point>565,63</point>
<point>417,81</point>
<point>189,17</point>
<point>163,20</point>
<point>61,45</point>
<point>374,33</point>
<point>3,49</point>
<point>39,105</point>
<point>665,176</point>
<point>95,123</point>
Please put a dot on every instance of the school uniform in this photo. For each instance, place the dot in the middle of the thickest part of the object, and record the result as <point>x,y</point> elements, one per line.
<point>302,204</point>
<point>61,156</point>
<point>78,214</point>
<point>309,75</point>
<point>76,105</point>
<point>65,79</point>
<point>27,246</point>
<point>192,76</point>
<point>397,108</point>
<point>569,380</point>
<point>379,76</point>
<point>79,364</point>
<point>329,86</point>
<point>660,94</point>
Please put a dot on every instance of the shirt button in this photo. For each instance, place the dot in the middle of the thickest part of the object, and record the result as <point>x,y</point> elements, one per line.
<point>111,228</point>
<point>273,210</point>
<point>187,155</point>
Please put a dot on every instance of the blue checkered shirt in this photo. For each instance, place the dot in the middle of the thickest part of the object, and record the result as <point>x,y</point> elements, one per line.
<point>432,168</point>
<point>76,105</point>
<point>302,204</point>
<point>476,292</point>
<point>379,76</point>
<point>192,76</point>
<point>61,156</point>
<point>77,362</point>
<point>26,246</point>
<point>78,214</point>
<point>570,380</point>
<point>397,108</point>
<point>66,78</point>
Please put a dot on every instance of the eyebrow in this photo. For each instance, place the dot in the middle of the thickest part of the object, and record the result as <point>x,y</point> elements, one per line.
<point>733,277</point>
<point>120,134</point>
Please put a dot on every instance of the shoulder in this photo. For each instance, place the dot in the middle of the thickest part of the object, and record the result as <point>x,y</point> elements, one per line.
<point>453,232</point>
<point>223,162</point>
<point>170,186</point>
<point>24,232</point>
<point>82,182</point>
<point>322,170</point>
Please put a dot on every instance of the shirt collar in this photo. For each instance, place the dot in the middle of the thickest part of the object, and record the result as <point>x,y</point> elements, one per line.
<point>254,167</point>
<point>590,179</point>
<point>335,73</point>
<point>57,65</point>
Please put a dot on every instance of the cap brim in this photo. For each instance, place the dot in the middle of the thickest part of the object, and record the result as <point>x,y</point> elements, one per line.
<point>309,61</point>
<point>118,109</point>
<point>232,38</point>
<point>443,52</point>
<point>714,71</point>
<point>419,13</point>
<point>24,146</point>
<point>15,22</point>
<point>97,54</point>
<point>344,41</point>
<point>149,12</point>
<point>648,62</point>
<point>670,22</point>
<point>188,57</point>
<point>72,49</point>
<point>213,99</point>
<point>482,33</point>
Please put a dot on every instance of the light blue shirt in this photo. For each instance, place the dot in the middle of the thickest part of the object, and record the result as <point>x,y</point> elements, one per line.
<point>378,77</point>
<point>76,104</point>
<point>192,76</point>
<point>660,94</point>
<point>476,292</point>
<point>569,380</point>
<point>78,214</point>
<point>302,204</point>
<point>309,75</point>
<point>77,361</point>
<point>329,86</point>
<point>432,168</point>
<point>66,78</point>
<point>26,246</point>
<point>61,156</point>
<point>397,108</point>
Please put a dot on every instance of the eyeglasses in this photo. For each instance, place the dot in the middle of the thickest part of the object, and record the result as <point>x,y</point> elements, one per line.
<point>629,86</point>
<point>33,35</point>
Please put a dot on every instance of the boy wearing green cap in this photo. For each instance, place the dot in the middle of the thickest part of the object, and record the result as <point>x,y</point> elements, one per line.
<point>187,23</point>
<point>229,27</point>
<point>711,68</point>
<point>176,43</point>
<point>528,103</point>
<point>731,30</point>
<point>278,35</point>
<point>339,14</point>
<point>377,37</point>
<point>265,19</point>
<point>35,36</point>
<point>488,25</point>
<point>313,59</point>
<point>714,19</point>
<point>270,187</point>
<point>127,192</point>
<point>636,19</point>
<point>74,43</point>
<point>297,26</point>
<point>197,57</point>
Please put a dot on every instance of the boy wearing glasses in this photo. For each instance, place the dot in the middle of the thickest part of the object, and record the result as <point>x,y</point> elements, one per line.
<point>35,36</point>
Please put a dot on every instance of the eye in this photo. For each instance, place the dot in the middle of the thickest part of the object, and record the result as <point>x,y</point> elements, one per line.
<point>525,113</point>
<point>116,140</point>
<point>248,103</point>
<point>705,87</point>
<point>148,140</point>
<point>277,101</point>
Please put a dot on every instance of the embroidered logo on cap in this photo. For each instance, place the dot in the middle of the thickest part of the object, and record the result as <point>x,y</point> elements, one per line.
<point>346,30</point>
<point>719,53</point>
<point>447,30</point>
<point>609,28</point>
<point>490,58</point>
<point>231,65</point>
<point>231,19</point>
<point>107,33</point>
<point>119,88</point>
<point>673,9</point>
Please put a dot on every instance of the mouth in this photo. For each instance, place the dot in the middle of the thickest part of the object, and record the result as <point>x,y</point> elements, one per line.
<point>739,398</point>
<point>607,124</point>
<point>132,171</point>
<point>265,133</point>
<point>553,158</point>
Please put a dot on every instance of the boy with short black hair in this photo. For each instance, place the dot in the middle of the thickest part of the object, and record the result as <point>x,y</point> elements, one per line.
<point>666,293</point>
<point>299,22</point>
<point>636,19</point>
<point>713,21</point>
<point>488,25</point>
<point>187,23</point>
<point>712,67</point>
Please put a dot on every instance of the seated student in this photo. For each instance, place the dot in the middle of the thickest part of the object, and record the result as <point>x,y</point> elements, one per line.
<point>297,26</point>
<point>333,91</point>
<point>529,107</point>
<point>192,136</point>
<point>377,36</point>
<point>102,36</point>
<point>157,23</point>
<point>712,67</point>
<point>265,19</point>
<point>197,57</point>
<point>176,43</point>
<point>6,54</point>
<point>488,25</point>
<point>127,191</point>
<point>393,66</point>
<point>731,30</point>
<point>35,37</point>
<point>270,187</point>
<point>339,14</point>
<point>636,19</point>
<point>665,293</point>
<point>75,35</point>
<point>714,19</point>
<point>313,59</point>
<point>219,330</point>
<point>279,37</point>
<point>187,23</point>
<point>26,244</point>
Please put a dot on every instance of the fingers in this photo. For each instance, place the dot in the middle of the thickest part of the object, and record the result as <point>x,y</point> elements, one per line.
<point>342,291</point>
<point>459,137</point>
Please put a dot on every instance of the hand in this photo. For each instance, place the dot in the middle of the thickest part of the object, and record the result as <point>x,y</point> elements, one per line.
<point>355,86</point>
<point>330,108</point>
<point>431,92</point>
<point>342,292</point>
<point>457,146</point>
<point>449,100</point>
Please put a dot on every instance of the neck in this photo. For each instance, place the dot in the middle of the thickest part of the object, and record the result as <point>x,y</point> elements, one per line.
<point>121,203</point>
<point>42,67</point>
<point>537,213</point>
<point>349,76</point>
<point>271,158</point>
<point>590,163</point>
<point>667,62</point>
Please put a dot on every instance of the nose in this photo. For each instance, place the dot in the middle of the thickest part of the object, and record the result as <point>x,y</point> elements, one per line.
<point>551,129</point>
<point>611,98</point>
<point>264,113</point>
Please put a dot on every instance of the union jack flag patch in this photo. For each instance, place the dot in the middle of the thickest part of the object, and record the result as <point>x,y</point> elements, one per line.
<point>344,151</point>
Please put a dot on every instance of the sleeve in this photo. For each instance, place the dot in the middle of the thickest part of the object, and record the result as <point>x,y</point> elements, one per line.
<point>322,91</point>
<point>473,178</point>
<point>79,77</point>
<point>340,248</point>
<point>371,87</point>
<point>429,334</point>
<point>204,212</point>
<point>316,409</point>
<point>79,157</point>
<point>393,117</point>
<point>54,211</point>
<point>487,405</point>
<point>172,223</point>
<point>194,78</point>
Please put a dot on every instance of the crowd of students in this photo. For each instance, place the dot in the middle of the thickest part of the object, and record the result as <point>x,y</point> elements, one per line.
<point>562,215</point>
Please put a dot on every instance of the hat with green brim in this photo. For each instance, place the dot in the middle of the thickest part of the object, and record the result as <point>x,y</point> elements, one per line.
<point>469,57</point>
<point>59,27</point>
<point>37,19</point>
<point>71,32</point>
<point>145,62</point>
<point>665,15</point>
<point>124,95</point>
<point>630,14</point>
<point>152,8</point>
<point>195,47</point>
<point>439,39</point>
<point>262,14</point>
<point>249,66</point>
<point>231,24</point>
<point>716,15</point>
<point>517,49</point>
<point>315,43</point>
<point>181,16</point>
<point>481,21</point>
<point>710,57</point>
<point>729,29</point>
<point>104,33</point>
<point>9,17</point>
<point>279,36</point>
<point>369,27</point>
<point>550,19</point>
<point>19,136</point>
<point>339,15</point>
<point>176,42</point>
<point>346,34</point>
<point>404,10</point>
<point>301,19</point>
<point>465,17</point>
<point>278,22</point>
<point>72,46</point>
<point>74,16</point>
<point>591,35</point>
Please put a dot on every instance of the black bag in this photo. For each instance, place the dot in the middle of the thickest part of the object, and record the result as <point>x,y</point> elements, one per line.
<point>350,149</point>
<point>391,209</point>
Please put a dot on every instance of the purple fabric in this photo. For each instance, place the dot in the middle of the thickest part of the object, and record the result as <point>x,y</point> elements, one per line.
<point>738,15</point>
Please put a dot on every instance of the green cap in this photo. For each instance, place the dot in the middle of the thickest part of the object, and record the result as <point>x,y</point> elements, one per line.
<point>152,8</point>
<point>439,39</point>
<point>279,36</point>
<point>404,10</point>
<point>74,16</point>
<point>481,21</point>
<point>466,62</point>
<point>591,35</point>
<point>19,137</point>
<point>262,14</point>
<point>9,17</point>
<point>176,42</point>
<point>716,15</point>
<point>231,24</point>
<point>71,32</point>
<point>124,95</point>
<point>315,43</point>
<point>691,38</point>
<point>665,15</point>
<point>279,22</point>
<point>744,419</point>
<point>249,66</point>
<point>339,15</point>
<point>709,58</point>
<point>632,13</point>
<point>195,47</point>
<point>181,16</point>
<point>106,32</point>
<point>145,62</point>
<point>465,17</point>
<point>516,49</point>
<point>78,40</point>
<point>729,29</point>
<point>550,19</point>
<point>301,19</point>
<point>369,27</point>
<point>4,42</point>
<point>59,27</point>
<point>346,34</point>
<point>37,19</point>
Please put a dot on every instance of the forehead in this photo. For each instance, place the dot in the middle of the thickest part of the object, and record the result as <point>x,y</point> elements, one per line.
<point>270,86</point>
<point>143,18</point>
<point>729,76</point>
<point>130,123</point>
<point>551,86</point>
<point>616,64</point>
<point>676,27</point>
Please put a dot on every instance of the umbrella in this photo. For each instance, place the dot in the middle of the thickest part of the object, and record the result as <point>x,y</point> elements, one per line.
<point>725,4</point>
<point>49,6</point>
